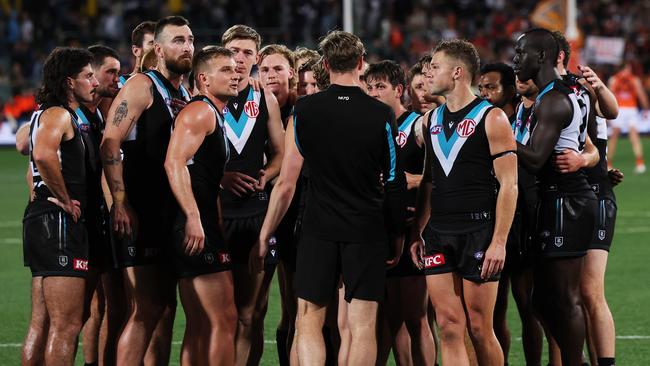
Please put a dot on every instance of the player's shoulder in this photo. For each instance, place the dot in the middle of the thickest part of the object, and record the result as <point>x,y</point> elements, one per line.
<point>137,81</point>
<point>56,113</point>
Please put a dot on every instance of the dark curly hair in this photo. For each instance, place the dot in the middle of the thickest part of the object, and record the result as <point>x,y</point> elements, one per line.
<point>62,63</point>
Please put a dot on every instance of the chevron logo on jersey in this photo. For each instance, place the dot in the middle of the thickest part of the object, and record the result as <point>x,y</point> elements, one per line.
<point>447,150</point>
<point>239,130</point>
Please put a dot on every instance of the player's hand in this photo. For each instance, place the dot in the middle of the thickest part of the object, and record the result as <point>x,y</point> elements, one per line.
<point>417,252</point>
<point>397,247</point>
<point>494,260</point>
<point>615,176</point>
<point>72,208</point>
<point>124,220</point>
<point>255,83</point>
<point>238,183</point>
<point>257,255</point>
<point>194,240</point>
<point>569,161</point>
<point>261,181</point>
<point>591,77</point>
<point>412,180</point>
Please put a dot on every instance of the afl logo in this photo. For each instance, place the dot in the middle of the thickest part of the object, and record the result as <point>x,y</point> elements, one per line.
<point>401,138</point>
<point>436,129</point>
<point>466,128</point>
<point>251,109</point>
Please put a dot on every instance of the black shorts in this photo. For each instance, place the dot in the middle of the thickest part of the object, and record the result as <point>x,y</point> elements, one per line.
<point>55,245</point>
<point>287,239</point>
<point>320,263</point>
<point>99,244</point>
<point>405,266</point>
<point>461,253</point>
<point>149,243</point>
<point>212,259</point>
<point>566,226</point>
<point>605,223</point>
<point>519,254</point>
<point>242,234</point>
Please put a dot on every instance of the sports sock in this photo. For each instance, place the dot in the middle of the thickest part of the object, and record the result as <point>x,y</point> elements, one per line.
<point>606,361</point>
<point>281,343</point>
<point>639,161</point>
<point>91,363</point>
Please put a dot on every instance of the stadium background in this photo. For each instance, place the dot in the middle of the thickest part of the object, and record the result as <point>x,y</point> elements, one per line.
<point>609,33</point>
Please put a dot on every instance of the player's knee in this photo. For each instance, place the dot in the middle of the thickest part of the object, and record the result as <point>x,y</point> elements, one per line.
<point>67,328</point>
<point>452,325</point>
<point>480,328</point>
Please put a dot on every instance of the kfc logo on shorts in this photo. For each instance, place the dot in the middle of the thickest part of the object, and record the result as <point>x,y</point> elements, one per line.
<point>131,251</point>
<point>80,264</point>
<point>434,260</point>
<point>251,109</point>
<point>559,241</point>
<point>208,258</point>
<point>466,128</point>
<point>224,258</point>
<point>436,129</point>
<point>63,260</point>
<point>401,138</point>
<point>601,234</point>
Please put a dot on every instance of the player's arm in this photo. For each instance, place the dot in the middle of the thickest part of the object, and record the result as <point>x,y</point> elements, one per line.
<point>606,104</point>
<point>281,197</point>
<point>570,161</point>
<point>55,126</point>
<point>276,141</point>
<point>22,139</point>
<point>192,124</point>
<point>422,202</point>
<point>133,99</point>
<point>504,160</point>
<point>394,192</point>
<point>551,114</point>
<point>413,180</point>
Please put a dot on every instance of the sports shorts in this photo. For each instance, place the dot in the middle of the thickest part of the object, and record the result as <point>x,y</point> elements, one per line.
<point>242,234</point>
<point>605,223</point>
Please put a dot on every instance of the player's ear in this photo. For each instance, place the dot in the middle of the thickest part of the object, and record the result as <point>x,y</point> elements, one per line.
<point>136,51</point>
<point>399,89</point>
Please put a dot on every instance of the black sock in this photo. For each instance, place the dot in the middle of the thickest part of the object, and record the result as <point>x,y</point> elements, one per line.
<point>91,363</point>
<point>281,343</point>
<point>606,361</point>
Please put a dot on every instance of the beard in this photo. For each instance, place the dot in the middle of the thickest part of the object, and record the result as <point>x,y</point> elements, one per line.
<point>179,66</point>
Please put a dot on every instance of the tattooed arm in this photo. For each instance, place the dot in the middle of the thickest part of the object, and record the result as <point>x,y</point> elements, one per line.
<point>133,99</point>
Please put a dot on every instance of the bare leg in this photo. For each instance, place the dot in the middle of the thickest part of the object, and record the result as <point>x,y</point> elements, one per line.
<point>592,288</point>
<point>159,349</point>
<point>479,302</point>
<point>362,321</point>
<point>309,333</point>
<point>90,340</point>
<point>423,347</point>
<point>34,346</point>
<point>500,310</point>
<point>64,299</point>
<point>611,145</point>
<point>344,330</point>
<point>531,331</point>
<point>114,316</point>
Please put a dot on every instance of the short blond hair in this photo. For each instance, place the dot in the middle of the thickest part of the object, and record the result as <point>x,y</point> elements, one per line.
<point>341,50</point>
<point>284,51</point>
<point>240,31</point>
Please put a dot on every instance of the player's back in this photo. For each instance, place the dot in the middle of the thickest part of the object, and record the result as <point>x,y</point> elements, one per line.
<point>346,138</point>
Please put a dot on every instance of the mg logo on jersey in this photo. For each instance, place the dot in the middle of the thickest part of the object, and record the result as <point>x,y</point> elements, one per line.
<point>251,109</point>
<point>466,128</point>
<point>224,258</point>
<point>401,138</point>
<point>63,260</point>
<point>80,264</point>
<point>436,129</point>
<point>208,258</point>
<point>434,260</point>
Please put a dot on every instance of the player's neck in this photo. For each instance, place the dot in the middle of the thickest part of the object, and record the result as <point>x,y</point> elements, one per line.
<point>220,103</point>
<point>174,78</point>
<point>528,101</point>
<point>459,98</point>
<point>92,106</point>
<point>545,76</point>
<point>508,109</point>
<point>283,97</point>
<point>398,109</point>
<point>136,66</point>
<point>243,83</point>
<point>73,104</point>
<point>345,78</point>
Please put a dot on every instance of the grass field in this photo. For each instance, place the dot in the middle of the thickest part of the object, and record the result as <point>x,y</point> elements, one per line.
<point>628,283</point>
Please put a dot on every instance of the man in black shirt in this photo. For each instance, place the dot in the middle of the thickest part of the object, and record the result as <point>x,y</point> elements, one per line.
<point>347,139</point>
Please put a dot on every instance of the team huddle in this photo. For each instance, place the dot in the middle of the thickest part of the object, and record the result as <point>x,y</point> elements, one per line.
<point>399,208</point>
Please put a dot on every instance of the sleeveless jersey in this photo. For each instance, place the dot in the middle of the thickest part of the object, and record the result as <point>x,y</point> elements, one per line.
<point>522,126</point>
<point>246,118</point>
<point>72,158</point>
<point>571,137</point>
<point>411,156</point>
<point>623,89</point>
<point>91,126</point>
<point>464,186</point>
<point>584,101</point>
<point>122,80</point>
<point>597,176</point>
<point>207,165</point>
<point>145,148</point>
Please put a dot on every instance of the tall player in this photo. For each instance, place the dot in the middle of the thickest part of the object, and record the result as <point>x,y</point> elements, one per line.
<point>252,123</point>
<point>469,143</point>
<point>406,301</point>
<point>196,157</point>
<point>568,205</point>
<point>55,238</point>
<point>144,208</point>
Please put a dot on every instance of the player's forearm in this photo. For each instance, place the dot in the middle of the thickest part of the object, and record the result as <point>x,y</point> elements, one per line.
<point>590,156</point>
<point>272,168</point>
<point>112,163</point>
<point>50,170</point>
<point>607,104</point>
<point>422,207</point>
<point>181,185</point>
<point>529,158</point>
<point>281,197</point>
<point>505,210</point>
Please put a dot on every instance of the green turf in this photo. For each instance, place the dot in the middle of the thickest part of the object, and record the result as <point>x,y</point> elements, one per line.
<point>628,289</point>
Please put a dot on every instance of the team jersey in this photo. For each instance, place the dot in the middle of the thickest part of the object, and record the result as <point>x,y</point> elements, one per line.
<point>347,139</point>
<point>91,126</point>
<point>571,137</point>
<point>246,125</point>
<point>207,165</point>
<point>585,103</point>
<point>597,176</point>
<point>73,168</point>
<point>524,122</point>
<point>464,185</point>
<point>411,155</point>
<point>122,80</point>
<point>624,90</point>
<point>145,148</point>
